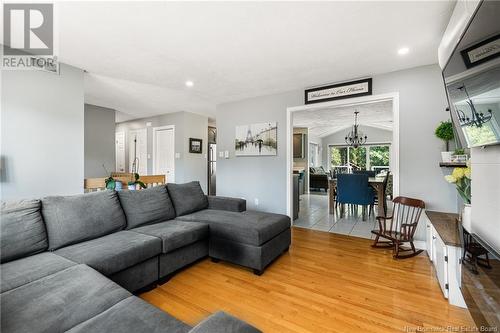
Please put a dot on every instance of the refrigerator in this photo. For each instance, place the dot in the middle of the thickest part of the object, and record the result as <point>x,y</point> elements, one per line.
<point>212,168</point>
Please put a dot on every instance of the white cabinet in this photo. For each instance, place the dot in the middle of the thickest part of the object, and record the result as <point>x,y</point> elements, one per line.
<point>446,261</point>
<point>429,243</point>
<point>440,262</point>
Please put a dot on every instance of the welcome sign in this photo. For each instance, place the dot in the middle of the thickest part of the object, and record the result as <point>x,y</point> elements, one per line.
<point>339,91</point>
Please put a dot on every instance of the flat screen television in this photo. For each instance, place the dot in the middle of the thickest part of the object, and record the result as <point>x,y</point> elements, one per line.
<point>472,79</point>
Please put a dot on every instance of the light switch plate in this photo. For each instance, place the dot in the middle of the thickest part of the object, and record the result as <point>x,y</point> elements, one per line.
<point>177,155</point>
<point>226,154</point>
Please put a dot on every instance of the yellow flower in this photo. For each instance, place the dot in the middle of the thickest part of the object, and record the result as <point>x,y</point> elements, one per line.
<point>458,173</point>
<point>467,172</point>
<point>450,179</point>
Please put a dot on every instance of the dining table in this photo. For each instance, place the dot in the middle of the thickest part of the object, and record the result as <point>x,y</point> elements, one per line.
<point>376,182</point>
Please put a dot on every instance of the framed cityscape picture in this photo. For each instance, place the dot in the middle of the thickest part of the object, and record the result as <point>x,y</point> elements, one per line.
<point>256,139</point>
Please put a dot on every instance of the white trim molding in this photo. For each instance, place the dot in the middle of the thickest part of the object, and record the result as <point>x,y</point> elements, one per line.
<point>156,129</point>
<point>394,97</point>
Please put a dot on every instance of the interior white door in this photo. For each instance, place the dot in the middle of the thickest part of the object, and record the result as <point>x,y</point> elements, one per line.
<point>164,153</point>
<point>138,150</point>
<point>120,151</point>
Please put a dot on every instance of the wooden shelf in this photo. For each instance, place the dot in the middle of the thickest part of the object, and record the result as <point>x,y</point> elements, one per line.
<point>452,164</point>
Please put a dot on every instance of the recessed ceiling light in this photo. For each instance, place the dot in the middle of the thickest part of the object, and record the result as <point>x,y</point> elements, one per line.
<point>189,83</point>
<point>403,51</point>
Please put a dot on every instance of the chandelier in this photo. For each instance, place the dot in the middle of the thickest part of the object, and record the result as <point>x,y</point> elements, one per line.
<point>477,118</point>
<point>355,138</point>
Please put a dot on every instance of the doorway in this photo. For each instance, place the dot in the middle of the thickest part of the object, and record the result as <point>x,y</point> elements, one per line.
<point>164,152</point>
<point>138,151</point>
<point>120,151</point>
<point>380,115</point>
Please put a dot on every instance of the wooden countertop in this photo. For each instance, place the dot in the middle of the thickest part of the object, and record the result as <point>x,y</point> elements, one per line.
<point>446,225</point>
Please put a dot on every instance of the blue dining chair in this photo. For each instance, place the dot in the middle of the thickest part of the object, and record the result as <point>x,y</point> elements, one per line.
<point>353,189</point>
<point>370,173</point>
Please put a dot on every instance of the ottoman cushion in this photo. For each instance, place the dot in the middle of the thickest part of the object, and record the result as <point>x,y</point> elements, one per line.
<point>249,227</point>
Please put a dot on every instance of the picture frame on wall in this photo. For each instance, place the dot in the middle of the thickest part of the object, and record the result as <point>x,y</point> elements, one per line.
<point>195,146</point>
<point>482,52</point>
<point>338,91</point>
<point>259,139</point>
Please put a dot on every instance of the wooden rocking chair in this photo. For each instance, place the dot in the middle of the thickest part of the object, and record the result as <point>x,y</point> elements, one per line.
<point>400,227</point>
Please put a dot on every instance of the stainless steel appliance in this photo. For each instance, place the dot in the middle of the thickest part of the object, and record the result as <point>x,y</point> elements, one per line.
<point>212,160</point>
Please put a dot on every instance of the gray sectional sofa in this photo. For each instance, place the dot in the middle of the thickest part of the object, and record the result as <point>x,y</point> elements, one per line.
<point>72,263</point>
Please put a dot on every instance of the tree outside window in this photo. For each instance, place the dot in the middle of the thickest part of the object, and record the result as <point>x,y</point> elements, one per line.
<point>364,158</point>
<point>379,156</point>
<point>357,157</point>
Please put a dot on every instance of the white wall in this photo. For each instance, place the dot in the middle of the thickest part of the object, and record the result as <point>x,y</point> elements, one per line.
<point>99,143</point>
<point>485,196</point>
<point>375,135</point>
<point>188,166</point>
<point>422,103</point>
<point>263,178</point>
<point>42,137</point>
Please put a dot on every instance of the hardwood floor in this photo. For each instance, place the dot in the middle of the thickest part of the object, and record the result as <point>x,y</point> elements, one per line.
<point>325,283</point>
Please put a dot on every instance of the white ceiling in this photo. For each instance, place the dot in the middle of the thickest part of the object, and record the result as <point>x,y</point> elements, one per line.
<point>139,54</point>
<point>327,121</point>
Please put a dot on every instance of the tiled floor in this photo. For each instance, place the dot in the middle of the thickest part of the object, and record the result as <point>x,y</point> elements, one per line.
<point>314,214</point>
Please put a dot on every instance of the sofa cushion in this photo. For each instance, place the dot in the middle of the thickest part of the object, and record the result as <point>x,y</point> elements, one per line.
<point>221,322</point>
<point>175,234</point>
<point>22,271</point>
<point>226,203</point>
<point>249,227</point>
<point>147,206</point>
<point>72,219</point>
<point>132,315</point>
<point>22,231</point>
<point>113,253</point>
<point>187,198</point>
<point>59,301</point>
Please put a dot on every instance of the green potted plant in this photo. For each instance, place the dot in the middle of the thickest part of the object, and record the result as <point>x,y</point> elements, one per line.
<point>459,156</point>
<point>132,185</point>
<point>110,183</point>
<point>445,132</point>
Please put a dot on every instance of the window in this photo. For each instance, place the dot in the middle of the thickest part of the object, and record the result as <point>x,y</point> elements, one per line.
<point>338,156</point>
<point>357,158</point>
<point>313,154</point>
<point>367,157</point>
<point>379,157</point>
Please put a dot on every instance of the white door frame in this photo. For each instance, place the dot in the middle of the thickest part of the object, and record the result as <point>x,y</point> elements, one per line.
<point>130,157</point>
<point>156,129</point>
<point>124,151</point>
<point>394,97</point>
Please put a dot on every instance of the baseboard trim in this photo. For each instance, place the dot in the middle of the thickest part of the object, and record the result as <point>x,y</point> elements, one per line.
<point>419,244</point>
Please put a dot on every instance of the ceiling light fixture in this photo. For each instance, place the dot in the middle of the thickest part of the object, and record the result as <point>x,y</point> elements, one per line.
<point>189,83</point>
<point>403,51</point>
<point>355,137</point>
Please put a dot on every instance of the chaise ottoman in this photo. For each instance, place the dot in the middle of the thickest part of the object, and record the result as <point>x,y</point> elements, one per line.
<point>250,238</point>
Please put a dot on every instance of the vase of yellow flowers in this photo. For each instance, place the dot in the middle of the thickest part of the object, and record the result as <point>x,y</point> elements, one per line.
<point>461,177</point>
